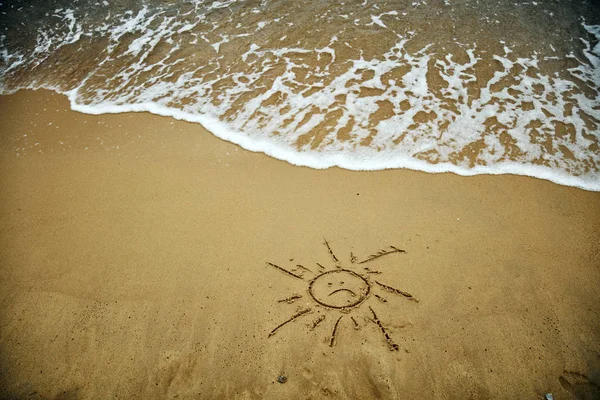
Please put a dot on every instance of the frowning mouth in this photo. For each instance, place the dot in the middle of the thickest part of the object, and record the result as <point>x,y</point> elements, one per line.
<point>342,290</point>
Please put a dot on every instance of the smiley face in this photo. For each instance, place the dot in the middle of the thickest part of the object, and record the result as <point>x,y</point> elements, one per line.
<point>339,288</point>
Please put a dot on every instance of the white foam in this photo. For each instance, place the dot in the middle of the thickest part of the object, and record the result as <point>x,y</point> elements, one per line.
<point>318,161</point>
<point>429,134</point>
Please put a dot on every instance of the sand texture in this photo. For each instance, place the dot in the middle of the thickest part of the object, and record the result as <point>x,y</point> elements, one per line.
<point>134,263</point>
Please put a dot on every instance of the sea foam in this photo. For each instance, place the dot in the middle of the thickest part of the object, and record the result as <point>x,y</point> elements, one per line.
<point>361,92</point>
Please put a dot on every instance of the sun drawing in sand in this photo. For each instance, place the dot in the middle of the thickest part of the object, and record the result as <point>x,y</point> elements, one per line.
<point>340,291</point>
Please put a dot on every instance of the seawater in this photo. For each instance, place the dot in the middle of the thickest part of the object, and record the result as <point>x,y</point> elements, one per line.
<point>466,86</point>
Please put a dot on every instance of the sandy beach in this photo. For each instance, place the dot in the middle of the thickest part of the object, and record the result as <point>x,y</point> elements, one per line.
<point>134,263</point>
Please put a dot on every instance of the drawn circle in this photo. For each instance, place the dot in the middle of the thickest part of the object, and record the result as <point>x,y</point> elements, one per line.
<point>339,288</point>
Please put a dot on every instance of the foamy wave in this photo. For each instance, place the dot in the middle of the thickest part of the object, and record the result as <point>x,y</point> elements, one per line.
<point>252,78</point>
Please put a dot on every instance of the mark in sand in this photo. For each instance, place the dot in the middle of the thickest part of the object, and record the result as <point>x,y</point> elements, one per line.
<point>342,290</point>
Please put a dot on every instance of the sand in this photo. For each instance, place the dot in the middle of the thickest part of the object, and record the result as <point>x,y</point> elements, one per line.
<point>133,264</point>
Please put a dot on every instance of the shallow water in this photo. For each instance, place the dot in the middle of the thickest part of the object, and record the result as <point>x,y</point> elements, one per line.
<point>464,86</point>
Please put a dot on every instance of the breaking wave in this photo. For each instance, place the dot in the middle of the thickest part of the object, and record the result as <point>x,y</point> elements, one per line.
<point>359,85</point>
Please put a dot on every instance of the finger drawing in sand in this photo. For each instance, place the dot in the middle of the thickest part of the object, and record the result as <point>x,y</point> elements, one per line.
<point>345,295</point>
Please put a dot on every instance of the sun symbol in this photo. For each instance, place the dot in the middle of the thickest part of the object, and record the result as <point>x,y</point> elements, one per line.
<point>339,291</point>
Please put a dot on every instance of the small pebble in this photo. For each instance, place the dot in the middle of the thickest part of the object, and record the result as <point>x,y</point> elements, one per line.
<point>282,379</point>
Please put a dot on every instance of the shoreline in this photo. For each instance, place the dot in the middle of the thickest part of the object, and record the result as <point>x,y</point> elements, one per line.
<point>301,159</point>
<point>134,264</point>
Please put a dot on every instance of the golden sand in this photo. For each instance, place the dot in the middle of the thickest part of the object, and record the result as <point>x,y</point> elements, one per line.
<point>134,264</point>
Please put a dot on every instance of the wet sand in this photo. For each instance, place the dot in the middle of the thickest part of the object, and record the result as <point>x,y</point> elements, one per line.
<point>133,264</point>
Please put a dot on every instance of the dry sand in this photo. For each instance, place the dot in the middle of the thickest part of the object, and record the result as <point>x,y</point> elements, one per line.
<point>133,264</point>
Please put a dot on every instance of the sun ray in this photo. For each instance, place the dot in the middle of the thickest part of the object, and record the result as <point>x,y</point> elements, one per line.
<point>382,253</point>
<point>320,266</point>
<point>356,326</point>
<point>388,339</point>
<point>381,299</point>
<point>303,267</point>
<point>291,319</point>
<point>326,243</point>
<point>290,299</point>
<point>316,322</point>
<point>334,333</point>
<point>397,291</point>
<point>285,270</point>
